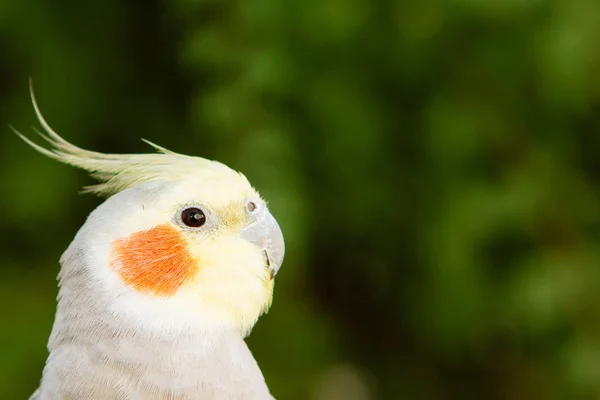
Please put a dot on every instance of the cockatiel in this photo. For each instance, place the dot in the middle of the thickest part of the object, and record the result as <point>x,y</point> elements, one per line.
<point>162,283</point>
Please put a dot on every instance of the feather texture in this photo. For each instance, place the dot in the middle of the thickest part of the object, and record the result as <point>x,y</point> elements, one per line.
<point>117,172</point>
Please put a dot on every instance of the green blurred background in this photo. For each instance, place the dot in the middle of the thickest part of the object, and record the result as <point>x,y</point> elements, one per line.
<point>433,163</point>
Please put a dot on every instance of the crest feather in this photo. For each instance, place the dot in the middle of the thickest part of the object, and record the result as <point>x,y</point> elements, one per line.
<point>117,172</point>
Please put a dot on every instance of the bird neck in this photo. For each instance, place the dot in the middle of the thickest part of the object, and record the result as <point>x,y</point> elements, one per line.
<point>101,338</point>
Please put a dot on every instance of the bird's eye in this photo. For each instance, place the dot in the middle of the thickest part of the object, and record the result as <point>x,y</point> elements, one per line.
<point>251,206</point>
<point>193,217</point>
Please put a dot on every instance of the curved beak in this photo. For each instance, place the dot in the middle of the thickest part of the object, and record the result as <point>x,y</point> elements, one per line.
<point>266,234</point>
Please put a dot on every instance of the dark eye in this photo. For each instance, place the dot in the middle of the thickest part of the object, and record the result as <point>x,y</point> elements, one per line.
<point>193,217</point>
<point>251,206</point>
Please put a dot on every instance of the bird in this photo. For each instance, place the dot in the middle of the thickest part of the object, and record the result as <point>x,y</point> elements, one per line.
<point>163,281</point>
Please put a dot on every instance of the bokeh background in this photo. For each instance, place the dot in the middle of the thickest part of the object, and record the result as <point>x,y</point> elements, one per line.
<point>434,165</point>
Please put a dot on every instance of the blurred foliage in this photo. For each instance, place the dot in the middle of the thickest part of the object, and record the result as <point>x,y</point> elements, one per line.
<point>434,166</point>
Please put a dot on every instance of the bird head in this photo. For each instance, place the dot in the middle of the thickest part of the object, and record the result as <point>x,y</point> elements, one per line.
<point>181,242</point>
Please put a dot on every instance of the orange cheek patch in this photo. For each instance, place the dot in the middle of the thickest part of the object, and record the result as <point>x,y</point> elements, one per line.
<point>155,261</point>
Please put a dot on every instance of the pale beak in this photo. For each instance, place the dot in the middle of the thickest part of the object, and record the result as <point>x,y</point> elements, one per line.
<point>266,234</point>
